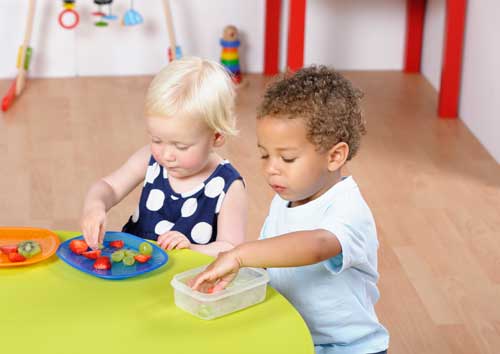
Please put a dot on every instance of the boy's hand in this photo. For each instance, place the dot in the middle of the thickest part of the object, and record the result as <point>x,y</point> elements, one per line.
<point>93,225</point>
<point>173,240</point>
<point>218,274</point>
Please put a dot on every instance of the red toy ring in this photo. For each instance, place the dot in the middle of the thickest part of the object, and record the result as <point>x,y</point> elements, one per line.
<point>71,25</point>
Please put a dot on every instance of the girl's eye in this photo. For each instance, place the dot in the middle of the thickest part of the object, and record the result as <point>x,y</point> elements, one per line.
<point>288,160</point>
<point>155,141</point>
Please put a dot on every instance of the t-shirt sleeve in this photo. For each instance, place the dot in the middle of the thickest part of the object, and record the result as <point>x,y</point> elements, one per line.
<point>352,234</point>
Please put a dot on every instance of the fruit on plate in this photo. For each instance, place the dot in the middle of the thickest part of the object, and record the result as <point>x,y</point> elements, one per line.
<point>102,263</point>
<point>117,244</point>
<point>145,248</point>
<point>78,246</point>
<point>130,253</point>
<point>28,249</point>
<point>16,257</point>
<point>142,258</point>
<point>8,249</point>
<point>117,256</point>
<point>92,254</point>
<point>128,260</point>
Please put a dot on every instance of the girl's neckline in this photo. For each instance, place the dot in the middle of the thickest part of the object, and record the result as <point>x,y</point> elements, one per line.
<point>198,187</point>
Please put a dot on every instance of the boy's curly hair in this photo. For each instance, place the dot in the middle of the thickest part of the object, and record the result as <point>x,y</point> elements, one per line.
<point>325,99</point>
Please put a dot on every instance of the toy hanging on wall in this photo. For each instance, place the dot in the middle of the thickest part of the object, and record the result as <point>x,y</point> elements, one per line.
<point>101,22</point>
<point>69,18</point>
<point>23,61</point>
<point>229,56</point>
<point>132,17</point>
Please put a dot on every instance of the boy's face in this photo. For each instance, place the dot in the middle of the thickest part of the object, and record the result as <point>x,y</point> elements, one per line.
<point>290,162</point>
<point>181,144</point>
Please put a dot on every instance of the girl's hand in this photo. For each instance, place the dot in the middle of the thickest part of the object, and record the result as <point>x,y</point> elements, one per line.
<point>93,225</point>
<point>218,274</point>
<point>173,240</point>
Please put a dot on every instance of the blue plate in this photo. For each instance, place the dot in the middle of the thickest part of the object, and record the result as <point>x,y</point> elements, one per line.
<point>118,270</point>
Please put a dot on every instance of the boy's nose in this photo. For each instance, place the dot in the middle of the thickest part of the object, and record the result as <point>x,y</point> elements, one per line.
<point>271,168</point>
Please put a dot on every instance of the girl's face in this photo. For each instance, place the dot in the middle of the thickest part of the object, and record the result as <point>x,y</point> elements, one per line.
<point>181,144</point>
<point>290,162</point>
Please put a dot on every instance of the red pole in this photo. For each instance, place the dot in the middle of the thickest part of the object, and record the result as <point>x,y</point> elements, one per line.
<point>452,58</point>
<point>415,14</point>
<point>296,28</point>
<point>272,37</point>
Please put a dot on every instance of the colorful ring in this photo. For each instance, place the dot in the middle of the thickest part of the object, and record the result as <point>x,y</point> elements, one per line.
<point>71,25</point>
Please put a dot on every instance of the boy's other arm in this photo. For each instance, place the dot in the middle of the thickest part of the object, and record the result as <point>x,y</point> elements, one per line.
<point>231,222</point>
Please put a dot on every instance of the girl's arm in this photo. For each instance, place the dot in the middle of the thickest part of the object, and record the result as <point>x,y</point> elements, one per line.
<point>290,250</point>
<point>109,191</point>
<point>231,222</point>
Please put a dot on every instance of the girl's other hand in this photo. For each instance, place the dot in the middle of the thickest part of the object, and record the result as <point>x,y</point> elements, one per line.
<point>173,240</point>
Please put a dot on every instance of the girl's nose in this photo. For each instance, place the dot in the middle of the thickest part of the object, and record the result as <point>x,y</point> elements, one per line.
<point>168,154</point>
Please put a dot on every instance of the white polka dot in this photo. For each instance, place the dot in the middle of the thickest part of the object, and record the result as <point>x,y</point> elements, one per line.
<point>193,191</point>
<point>189,207</point>
<point>174,197</point>
<point>201,232</point>
<point>214,187</point>
<point>155,200</point>
<point>163,226</point>
<point>135,216</point>
<point>165,173</point>
<point>152,172</point>
<point>219,202</point>
<point>224,162</point>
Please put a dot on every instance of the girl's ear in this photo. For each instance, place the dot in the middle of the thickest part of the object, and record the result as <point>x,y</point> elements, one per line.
<point>219,140</point>
<point>337,156</point>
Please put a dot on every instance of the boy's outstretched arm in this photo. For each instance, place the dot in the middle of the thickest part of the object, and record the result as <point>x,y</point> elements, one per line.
<point>290,250</point>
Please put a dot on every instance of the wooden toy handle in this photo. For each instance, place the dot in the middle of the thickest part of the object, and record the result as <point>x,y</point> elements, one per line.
<point>21,77</point>
<point>170,26</point>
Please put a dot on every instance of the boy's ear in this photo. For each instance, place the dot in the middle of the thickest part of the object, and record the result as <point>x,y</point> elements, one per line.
<point>219,140</point>
<point>337,156</point>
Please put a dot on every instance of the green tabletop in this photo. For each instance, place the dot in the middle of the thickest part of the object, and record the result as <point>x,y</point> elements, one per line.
<point>52,308</point>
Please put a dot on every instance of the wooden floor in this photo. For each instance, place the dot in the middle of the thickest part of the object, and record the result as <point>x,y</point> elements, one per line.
<point>434,191</point>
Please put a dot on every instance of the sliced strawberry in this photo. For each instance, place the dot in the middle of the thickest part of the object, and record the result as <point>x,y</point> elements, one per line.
<point>8,249</point>
<point>117,244</point>
<point>78,246</point>
<point>92,254</point>
<point>16,257</point>
<point>102,263</point>
<point>142,258</point>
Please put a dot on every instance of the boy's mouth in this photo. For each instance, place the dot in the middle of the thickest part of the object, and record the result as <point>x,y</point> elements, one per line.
<point>278,188</point>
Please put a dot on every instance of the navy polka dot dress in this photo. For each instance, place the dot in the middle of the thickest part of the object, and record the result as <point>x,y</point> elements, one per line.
<point>192,213</point>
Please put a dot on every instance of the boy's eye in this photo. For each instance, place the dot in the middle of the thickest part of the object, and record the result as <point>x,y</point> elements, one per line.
<point>288,160</point>
<point>182,147</point>
<point>263,157</point>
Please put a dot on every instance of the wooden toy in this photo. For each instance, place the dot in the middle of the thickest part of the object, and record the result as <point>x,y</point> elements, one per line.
<point>69,18</point>
<point>23,61</point>
<point>171,33</point>
<point>229,55</point>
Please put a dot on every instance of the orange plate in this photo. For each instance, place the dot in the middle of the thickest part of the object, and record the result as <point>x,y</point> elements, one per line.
<point>13,235</point>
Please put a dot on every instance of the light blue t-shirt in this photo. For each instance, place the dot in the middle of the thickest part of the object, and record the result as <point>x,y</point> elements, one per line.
<point>335,297</point>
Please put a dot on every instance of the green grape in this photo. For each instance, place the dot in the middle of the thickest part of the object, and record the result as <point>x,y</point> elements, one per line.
<point>128,260</point>
<point>130,253</point>
<point>145,248</point>
<point>117,256</point>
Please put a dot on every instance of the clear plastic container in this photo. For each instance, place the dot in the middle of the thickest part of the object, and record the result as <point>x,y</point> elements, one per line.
<point>247,289</point>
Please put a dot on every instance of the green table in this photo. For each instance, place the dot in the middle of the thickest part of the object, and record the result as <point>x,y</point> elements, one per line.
<point>52,308</point>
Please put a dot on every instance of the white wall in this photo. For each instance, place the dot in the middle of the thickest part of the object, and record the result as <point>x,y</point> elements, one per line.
<point>347,34</point>
<point>480,89</point>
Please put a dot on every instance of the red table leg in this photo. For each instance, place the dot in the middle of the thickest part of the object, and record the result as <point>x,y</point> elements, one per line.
<point>452,58</point>
<point>296,27</point>
<point>272,37</point>
<point>415,13</point>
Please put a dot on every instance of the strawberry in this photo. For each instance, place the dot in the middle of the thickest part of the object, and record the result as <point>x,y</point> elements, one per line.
<point>92,254</point>
<point>142,258</point>
<point>16,257</point>
<point>102,263</point>
<point>117,244</point>
<point>8,249</point>
<point>78,246</point>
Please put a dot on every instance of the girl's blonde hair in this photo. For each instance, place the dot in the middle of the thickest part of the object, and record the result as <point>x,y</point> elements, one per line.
<point>196,87</point>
